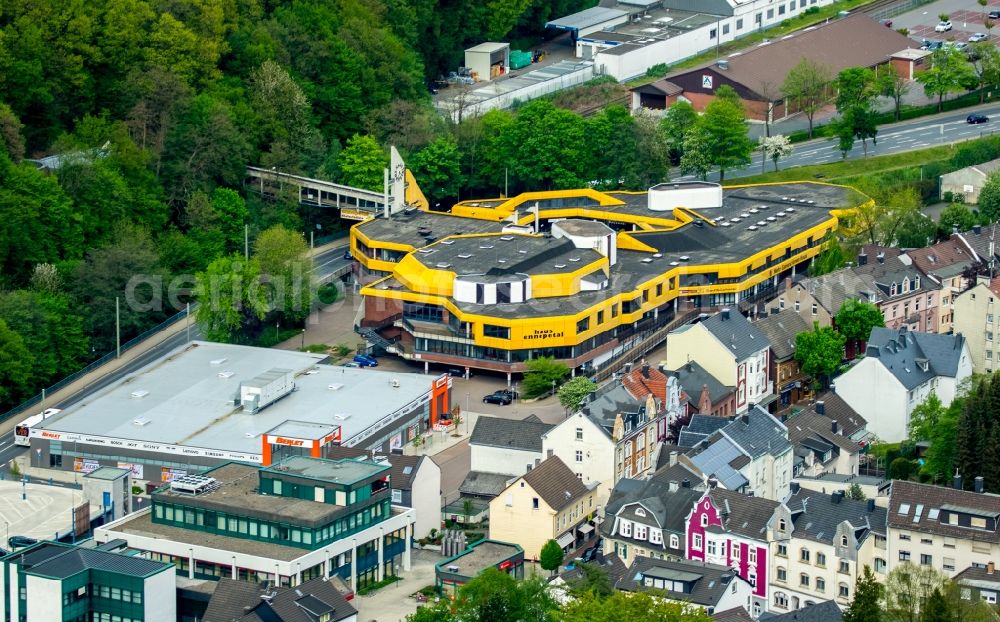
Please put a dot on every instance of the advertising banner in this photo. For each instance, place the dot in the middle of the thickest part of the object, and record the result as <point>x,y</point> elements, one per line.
<point>84,465</point>
<point>135,468</point>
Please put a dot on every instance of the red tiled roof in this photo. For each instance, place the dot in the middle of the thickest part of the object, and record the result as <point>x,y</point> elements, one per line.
<point>947,253</point>
<point>639,386</point>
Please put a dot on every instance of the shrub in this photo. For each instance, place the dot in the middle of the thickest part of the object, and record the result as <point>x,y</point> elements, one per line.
<point>658,71</point>
<point>342,349</point>
<point>948,196</point>
<point>901,468</point>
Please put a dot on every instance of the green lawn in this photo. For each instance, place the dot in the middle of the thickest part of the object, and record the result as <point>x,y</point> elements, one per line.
<point>844,170</point>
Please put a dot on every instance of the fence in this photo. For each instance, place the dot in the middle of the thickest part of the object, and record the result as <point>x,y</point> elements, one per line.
<point>653,339</point>
<point>110,356</point>
<point>894,9</point>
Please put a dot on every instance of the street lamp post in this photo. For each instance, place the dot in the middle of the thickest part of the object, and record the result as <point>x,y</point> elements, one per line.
<point>24,489</point>
<point>303,339</point>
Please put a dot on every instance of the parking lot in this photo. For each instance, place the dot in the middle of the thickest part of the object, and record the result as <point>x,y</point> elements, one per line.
<point>966,18</point>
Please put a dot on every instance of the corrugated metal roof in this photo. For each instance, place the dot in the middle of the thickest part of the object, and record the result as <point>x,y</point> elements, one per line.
<point>586,18</point>
<point>72,561</point>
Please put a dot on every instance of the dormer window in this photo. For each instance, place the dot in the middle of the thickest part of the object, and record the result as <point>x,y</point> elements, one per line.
<point>843,540</point>
<point>892,289</point>
<point>640,512</point>
<point>906,284</point>
<point>916,282</point>
<point>781,525</point>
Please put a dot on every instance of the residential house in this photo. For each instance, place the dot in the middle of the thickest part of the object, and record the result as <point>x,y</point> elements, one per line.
<point>820,545</point>
<point>948,529</point>
<point>823,611</point>
<point>416,483</point>
<point>634,412</point>
<point>647,518</point>
<point>506,446</point>
<point>730,348</point>
<point>730,529</point>
<point>58,581</point>
<point>947,263</point>
<point>587,448</point>
<point>314,600</point>
<point>904,295</point>
<point>699,429</point>
<point>977,318</point>
<point>823,439</point>
<point>549,502</point>
<point>712,587</point>
<point>736,614</point>
<point>751,454</point>
<point>702,392</point>
<point>976,583</point>
<point>968,182</point>
<point>781,330</point>
<point>818,299</point>
<point>900,369</point>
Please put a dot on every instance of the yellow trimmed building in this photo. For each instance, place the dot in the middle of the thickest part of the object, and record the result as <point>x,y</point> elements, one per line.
<point>580,275</point>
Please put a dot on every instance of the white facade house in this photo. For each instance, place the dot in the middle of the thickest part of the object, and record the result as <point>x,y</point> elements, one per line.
<point>730,348</point>
<point>899,371</point>
<point>507,446</point>
<point>977,318</point>
<point>587,449</point>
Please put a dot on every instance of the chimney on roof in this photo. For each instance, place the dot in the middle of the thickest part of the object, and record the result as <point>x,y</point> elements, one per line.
<point>645,369</point>
<point>725,314</point>
<point>673,458</point>
<point>673,486</point>
<point>723,64</point>
<point>686,483</point>
<point>713,481</point>
<point>820,407</point>
<point>871,505</point>
<point>837,496</point>
<point>956,481</point>
<point>834,427</point>
<point>862,258</point>
<point>978,483</point>
<point>977,229</point>
<point>794,487</point>
<point>745,417</point>
<point>990,568</point>
<point>880,257</point>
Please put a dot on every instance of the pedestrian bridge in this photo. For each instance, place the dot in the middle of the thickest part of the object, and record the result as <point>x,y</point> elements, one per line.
<point>353,203</point>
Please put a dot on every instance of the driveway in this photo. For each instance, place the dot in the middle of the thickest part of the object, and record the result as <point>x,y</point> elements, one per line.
<point>393,603</point>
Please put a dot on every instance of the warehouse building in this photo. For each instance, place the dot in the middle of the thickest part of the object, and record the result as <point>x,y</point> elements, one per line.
<point>207,403</point>
<point>580,275</point>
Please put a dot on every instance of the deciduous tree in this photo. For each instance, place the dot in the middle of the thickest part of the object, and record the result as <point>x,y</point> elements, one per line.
<point>551,556</point>
<point>437,168</point>
<point>231,300</point>
<point>819,351</point>
<point>855,319</point>
<point>15,366</point>
<point>949,72</point>
<point>807,85</point>
<point>908,587</point>
<point>866,606</point>
<point>677,124</point>
<point>774,147</point>
<point>989,197</point>
<point>724,128</point>
<point>572,394</point>
<point>893,85</point>
<point>541,374</point>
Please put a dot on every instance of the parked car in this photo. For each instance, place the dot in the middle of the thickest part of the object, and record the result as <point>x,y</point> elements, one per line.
<point>18,542</point>
<point>931,45</point>
<point>943,26</point>
<point>994,14</point>
<point>363,360</point>
<point>351,364</point>
<point>589,555</point>
<point>887,23</point>
<point>499,397</point>
<point>456,372</point>
<point>961,46</point>
<point>976,37</point>
<point>976,118</point>
<point>347,255</point>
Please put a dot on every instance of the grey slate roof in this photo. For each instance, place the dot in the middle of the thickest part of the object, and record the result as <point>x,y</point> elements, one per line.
<point>758,432</point>
<point>808,426</point>
<point>240,601</point>
<point>700,428</point>
<point>57,561</point>
<point>483,484</point>
<point>924,508</point>
<point>736,614</point>
<point>979,577</point>
<point>692,377</point>
<point>555,483</point>
<point>739,336</point>
<point>404,469</point>
<point>710,581</point>
<point>903,352</point>
<point>780,328</point>
<point>840,411</point>
<point>815,516</point>
<point>497,432</point>
<point>664,508</point>
<point>826,611</point>
<point>831,290</point>
<point>743,515</point>
<point>610,399</point>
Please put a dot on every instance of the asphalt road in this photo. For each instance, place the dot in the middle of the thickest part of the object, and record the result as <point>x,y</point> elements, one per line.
<point>919,133</point>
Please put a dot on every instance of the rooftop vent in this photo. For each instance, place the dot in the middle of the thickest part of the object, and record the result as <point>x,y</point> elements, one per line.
<point>194,484</point>
<point>734,220</point>
<point>789,210</point>
<point>574,259</point>
<point>485,246</point>
<point>647,260</point>
<point>725,224</point>
<point>225,374</point>
<point>465,256</point>
<point>675,263</point>
<point>341,417</point>
<point>394,383</point>
<point>771,219</point>
<point>522,251</point>
<point>560,266</point>
<point>754,210</point>
<point>657,255</point>
<point>744,215</point>
<point>723,65</point>
<point>443,264</point>
<point>761,223</point>
<point>752,228</point>
<point>506,238</point>
<point>140,421</point>
<point>427,251</point>
<point>685,258</point>
<point>335,386</point>
<point>139,393</point>
<point>447,242</point>
<point>217,361</point>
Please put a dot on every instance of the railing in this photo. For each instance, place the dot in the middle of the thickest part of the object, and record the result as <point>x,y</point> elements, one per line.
<point>649,342</point>
<point>110,356</point>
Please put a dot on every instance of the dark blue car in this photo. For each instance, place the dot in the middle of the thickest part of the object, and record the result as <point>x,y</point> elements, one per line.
<point>363,360</point>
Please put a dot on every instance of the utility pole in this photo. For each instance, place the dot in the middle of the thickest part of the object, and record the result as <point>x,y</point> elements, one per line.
<point>312,243</point>
<point>246,242</point>
<point>118,329</point>
<point>188,320</point>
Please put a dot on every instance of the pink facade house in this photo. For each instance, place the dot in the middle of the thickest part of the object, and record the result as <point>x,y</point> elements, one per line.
<point>730,529</point>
